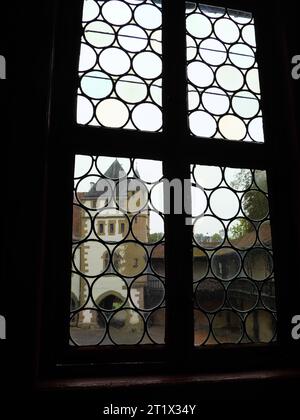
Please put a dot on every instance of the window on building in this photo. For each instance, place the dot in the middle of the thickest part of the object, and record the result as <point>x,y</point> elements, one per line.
<point>177,92</point>
<point>122,227</point>
<point>101,228</point>
<point>111,228</point>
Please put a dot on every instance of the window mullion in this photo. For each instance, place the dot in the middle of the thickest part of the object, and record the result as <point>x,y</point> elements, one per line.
<point>179,322</point>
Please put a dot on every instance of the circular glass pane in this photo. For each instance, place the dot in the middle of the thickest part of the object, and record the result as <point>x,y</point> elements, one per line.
<point>241,56</point>
<point>255,205</point>
<point>147,65</point>
<point>215,101</point>
<point>224,203</point>
<point>242,295</point>
<point>116,12</point>
<point>202,124</point>
<point>227,327</point>
<point>147,292</point>
<point>260,326</point>
<point>191,48</point>
<point>198,25</point>
<point>87,58</point>
<point>258,264</point>
<point>81,224</point>
<point>248,34</point>
<point>90,10</point>
<point>90,258</point>
<point>199,201</point>
<point>88,327</point>
<point>132,38</point>
<point>79,292</point>
<point>239,16</point>
<point>157,197</point>
<point>126,327</point>
<point>226,263</point>
<point>245,104</point>
<point>156,41</point>
<point>229,78</point>
<point>268,295</point>
<point>158,259</point>
<point>201,328</point>
<point>255,129</point>
<point>147,117</point>
<point>99,34</point>
<point>156,91</point>
<point>208,177</point>
<point>193,98</point>
<point>148,16</point>
<point>110,292</point>
<point>209,232</point>
<point>83,165</point>
<point>210,295</point>
<point>149,171</point>
<point>238,179</point>
<point>200,74</point>
<point>232,128</point>
<point>252,79</point>
<point>92,184</point>
<point>200,264</point>
<point>96,84</point>
<point>113,168</point>
<point>156,326</point>
<point>261,180</point>
<point>212,11</point>
<point>226,30</point>
<point>85,110</point>
<point>131,89</point>
<point>241,233</point>
<point>148,227</point>
<point>213,52</point>
<point>129,259</point>
<point>137,192</point>
<point>114,61</point>
<point>264,234</point>
<point>112,113</point>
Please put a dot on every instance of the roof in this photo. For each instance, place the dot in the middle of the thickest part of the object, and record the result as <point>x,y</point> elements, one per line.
<point>115,171</point>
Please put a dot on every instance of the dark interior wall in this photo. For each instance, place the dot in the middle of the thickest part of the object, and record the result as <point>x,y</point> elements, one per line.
<point>25,41</point>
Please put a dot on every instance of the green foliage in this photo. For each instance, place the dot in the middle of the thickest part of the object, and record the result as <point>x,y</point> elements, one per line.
<point>155,237</point>
<point>255,203</point>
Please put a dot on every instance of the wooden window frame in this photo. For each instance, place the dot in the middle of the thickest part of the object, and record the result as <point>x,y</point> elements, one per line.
<point>66,139</point>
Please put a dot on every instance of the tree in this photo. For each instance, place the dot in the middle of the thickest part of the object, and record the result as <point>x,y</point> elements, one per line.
<point>254,202</point>
<point>155,237</point>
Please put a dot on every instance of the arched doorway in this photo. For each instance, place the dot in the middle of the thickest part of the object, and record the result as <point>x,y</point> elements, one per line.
<point>108,302</point>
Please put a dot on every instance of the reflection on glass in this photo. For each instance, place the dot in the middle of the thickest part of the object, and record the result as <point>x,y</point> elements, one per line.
<point>234,288</point>
<point>118,266</point>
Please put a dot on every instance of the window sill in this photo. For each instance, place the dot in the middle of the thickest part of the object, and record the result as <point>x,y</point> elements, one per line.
<point>145,381</point>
